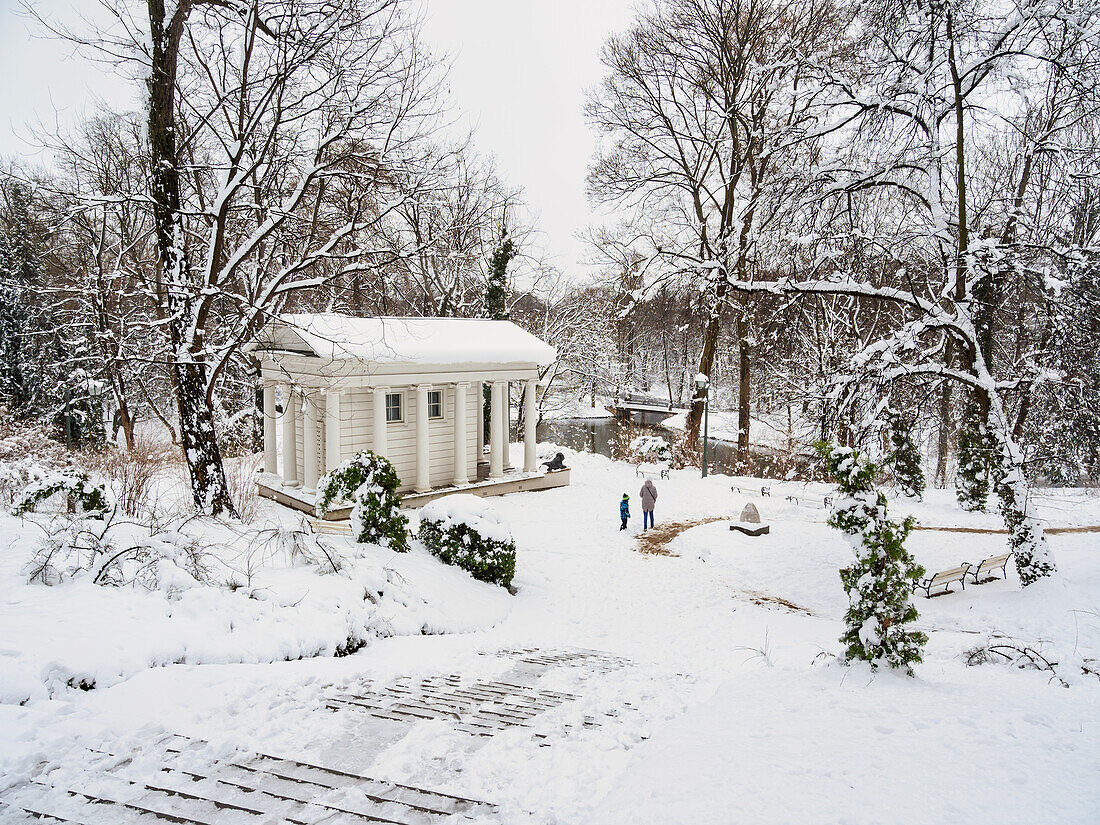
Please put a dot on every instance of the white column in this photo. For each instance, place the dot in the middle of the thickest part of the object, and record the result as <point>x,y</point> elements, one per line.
<point>506,422</point>
<point>479,442</point>
<point>310,439</point>
<point>496,444</point>
<point>290,438</point>
<point>529,418</point>
<point>378,441</point>
<point>271,459</point>
<point>462,475</point>
<point>423,468</point>
<point>332,430</point>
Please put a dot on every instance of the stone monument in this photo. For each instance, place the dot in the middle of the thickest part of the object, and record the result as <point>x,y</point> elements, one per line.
<point>750,523</point>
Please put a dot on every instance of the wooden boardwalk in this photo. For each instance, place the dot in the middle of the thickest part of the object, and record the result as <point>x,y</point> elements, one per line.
<point>191,782</point>
<point>180,784</point>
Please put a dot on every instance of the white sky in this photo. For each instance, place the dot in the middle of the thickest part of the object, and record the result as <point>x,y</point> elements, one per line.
<point>520,69</point>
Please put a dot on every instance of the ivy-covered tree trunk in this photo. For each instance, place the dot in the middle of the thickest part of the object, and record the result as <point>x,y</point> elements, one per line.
<point>905,457</point>
<point>972,482</point>
<point>1026,537</point>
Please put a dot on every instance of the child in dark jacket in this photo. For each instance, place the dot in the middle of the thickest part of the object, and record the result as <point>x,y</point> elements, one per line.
<point>624,510</point>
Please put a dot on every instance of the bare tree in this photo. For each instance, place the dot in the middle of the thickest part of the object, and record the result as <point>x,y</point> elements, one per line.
<point>927,78</point>
<point>710,111</point>
<point>278,131</point>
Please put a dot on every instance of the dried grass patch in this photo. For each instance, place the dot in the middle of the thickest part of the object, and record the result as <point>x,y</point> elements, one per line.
<point>762,599</point>
<point>654,541</point>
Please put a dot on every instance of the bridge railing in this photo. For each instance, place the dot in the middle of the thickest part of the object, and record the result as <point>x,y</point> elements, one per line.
<point>632,399</point>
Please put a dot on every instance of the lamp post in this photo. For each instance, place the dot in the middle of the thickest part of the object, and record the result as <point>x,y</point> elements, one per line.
<point>702,383</point>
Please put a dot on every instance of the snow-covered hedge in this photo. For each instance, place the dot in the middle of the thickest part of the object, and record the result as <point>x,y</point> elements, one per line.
<point>370,483</point>
<point>249,607</point>
<point>466,531</point>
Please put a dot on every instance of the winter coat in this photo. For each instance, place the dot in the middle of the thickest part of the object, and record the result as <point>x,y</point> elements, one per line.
<point>649,495</point>
<point>624,509</point>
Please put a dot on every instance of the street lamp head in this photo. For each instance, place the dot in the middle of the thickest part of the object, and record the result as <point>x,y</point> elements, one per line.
<point>702,383</point>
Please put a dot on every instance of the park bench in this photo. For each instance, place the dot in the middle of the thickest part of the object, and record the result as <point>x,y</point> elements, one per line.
<point>810,500</point>
<point>943,580</point>
<point>764,491</point>
<point>651,469</point>
<point>981,572</point>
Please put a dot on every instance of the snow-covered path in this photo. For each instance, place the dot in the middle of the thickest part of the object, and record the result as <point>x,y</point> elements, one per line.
<point>727,712</point>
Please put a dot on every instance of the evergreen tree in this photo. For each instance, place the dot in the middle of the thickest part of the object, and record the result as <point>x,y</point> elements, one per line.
<point>880,581</point>
<point>496,288</point>
<point>496,307</point>
<point>29,356</point>
<point>1064,419</point>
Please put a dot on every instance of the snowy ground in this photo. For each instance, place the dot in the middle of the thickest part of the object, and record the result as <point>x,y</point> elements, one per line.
<point>728,713</point>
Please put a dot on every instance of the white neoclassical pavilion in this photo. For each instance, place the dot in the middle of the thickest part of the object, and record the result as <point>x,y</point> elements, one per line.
<point>407,388</point>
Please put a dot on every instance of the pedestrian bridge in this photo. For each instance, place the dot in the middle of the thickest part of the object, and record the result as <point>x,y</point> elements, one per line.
<point>626,405</point>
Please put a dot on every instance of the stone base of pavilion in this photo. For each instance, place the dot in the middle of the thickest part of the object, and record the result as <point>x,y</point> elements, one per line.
<point>513,481</point>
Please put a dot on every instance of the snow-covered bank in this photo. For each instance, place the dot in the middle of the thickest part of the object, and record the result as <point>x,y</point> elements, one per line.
<point>560,408</point>
<point>763,431</point>
<point>79,634</point>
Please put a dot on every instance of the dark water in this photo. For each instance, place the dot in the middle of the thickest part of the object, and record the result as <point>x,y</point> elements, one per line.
<point>599,435</point>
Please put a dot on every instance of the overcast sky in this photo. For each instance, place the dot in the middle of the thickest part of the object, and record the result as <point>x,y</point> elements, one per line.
<point>519,75</point>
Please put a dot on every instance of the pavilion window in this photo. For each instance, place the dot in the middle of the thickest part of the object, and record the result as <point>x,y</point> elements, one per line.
<point>435,403</point>
<point>394,408</point>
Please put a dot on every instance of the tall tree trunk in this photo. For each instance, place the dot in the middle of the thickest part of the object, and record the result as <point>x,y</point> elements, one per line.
<point>706,361</point>
<point>198,439</point>
<point>126,422</point>
<point>706,365</point>
<point>744,397</point>
<point>188,372</point>
<point>943,440</point>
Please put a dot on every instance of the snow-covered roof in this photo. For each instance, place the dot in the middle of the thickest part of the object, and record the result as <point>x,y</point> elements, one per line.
<point>439,341</point>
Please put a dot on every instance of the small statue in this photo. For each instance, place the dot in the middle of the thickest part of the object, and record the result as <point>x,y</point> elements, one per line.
<point>556,463</point>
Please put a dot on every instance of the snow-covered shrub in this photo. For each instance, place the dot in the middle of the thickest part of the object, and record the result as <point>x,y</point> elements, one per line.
<point>240,477</point>
<point>239,433</point>
<point>879,583</point>
<point>84,494</point>
<point>466,531</point>
<point>651,448</point>
<point>370,483</point>
<point>1001,649</point>
<point>27,452</point>
<point>131,475</point>
<point>905,458</point>
<point>287,545</point>
<point>638,444</point>
<point>114,553</point>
